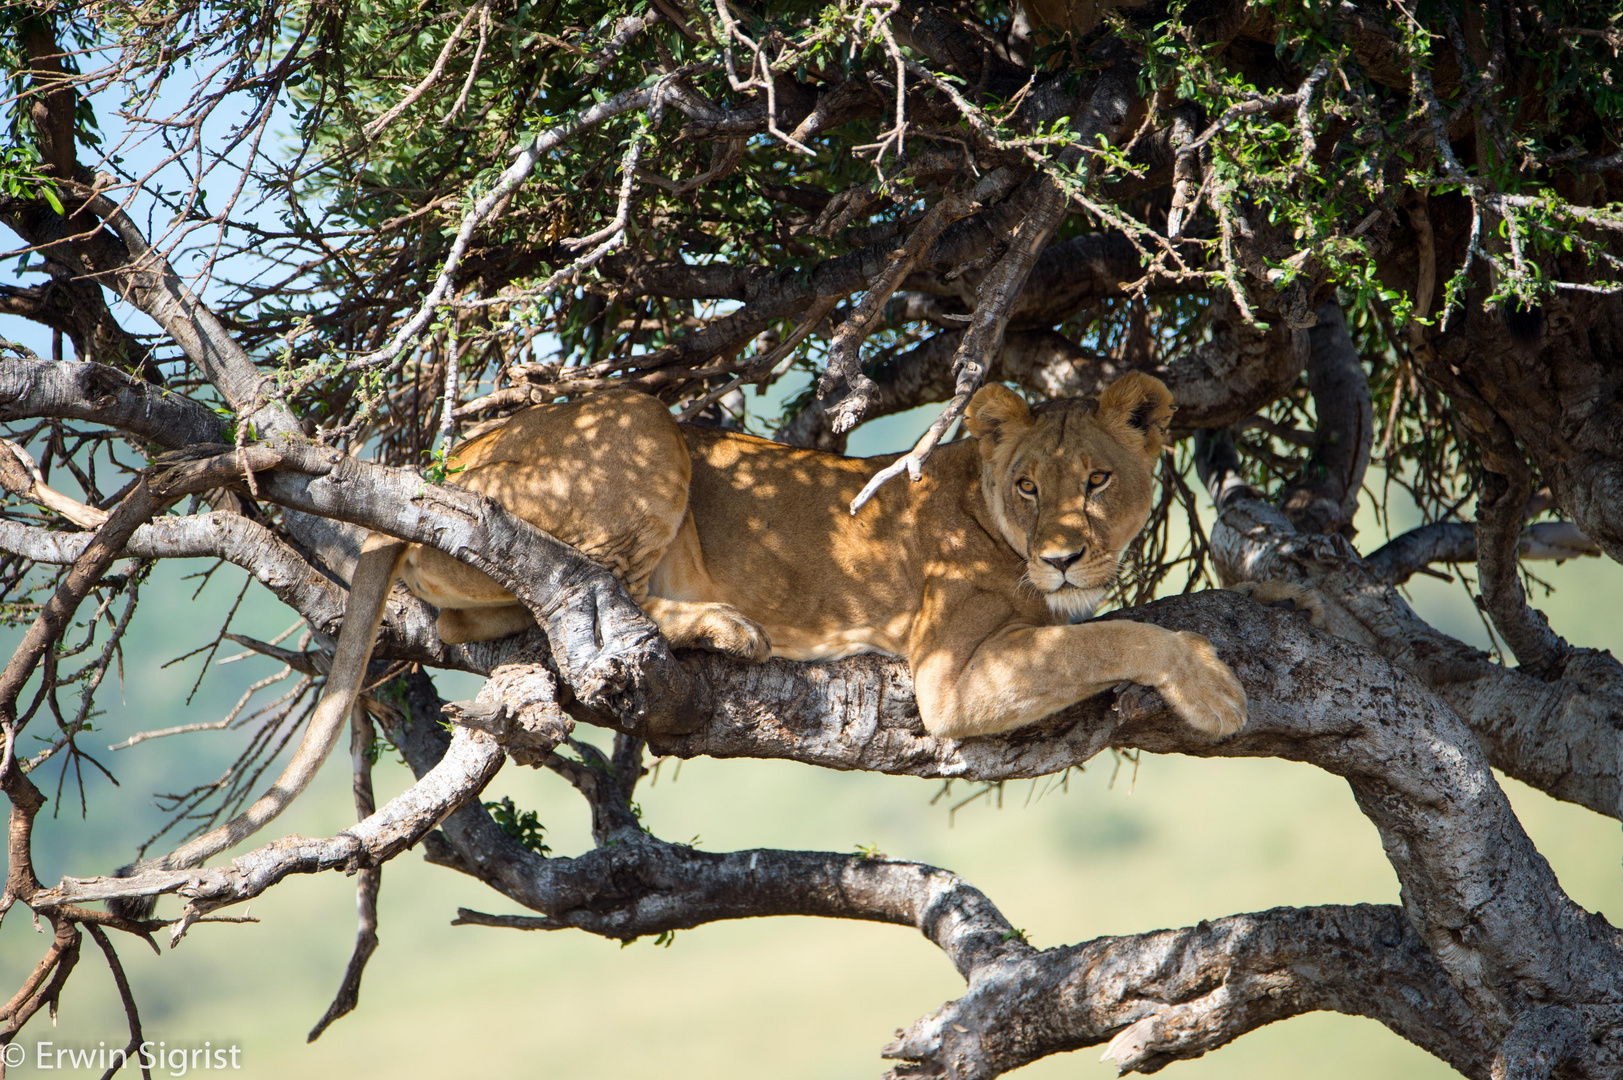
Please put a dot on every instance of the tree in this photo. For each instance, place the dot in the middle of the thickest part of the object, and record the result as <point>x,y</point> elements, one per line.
<point>1342,234</point>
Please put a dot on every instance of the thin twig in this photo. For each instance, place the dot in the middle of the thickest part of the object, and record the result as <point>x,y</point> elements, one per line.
<point>994,300</point>
<point>367,882</point>
<point>372,130</point>
<point>132,1015</point>
<point>473,65</point>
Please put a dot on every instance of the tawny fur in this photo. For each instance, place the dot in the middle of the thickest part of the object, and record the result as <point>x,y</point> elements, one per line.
<point>745,546</point>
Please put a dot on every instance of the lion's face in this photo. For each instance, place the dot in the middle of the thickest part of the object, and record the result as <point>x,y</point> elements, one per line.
<point>1070,484</point>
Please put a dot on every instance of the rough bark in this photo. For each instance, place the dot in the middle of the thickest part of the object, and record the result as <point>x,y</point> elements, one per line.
<point>1402,557</point>
<point>103,395</point>
<point>1177,994</point>
<point>1324,498</point>
<point>1557,734</point>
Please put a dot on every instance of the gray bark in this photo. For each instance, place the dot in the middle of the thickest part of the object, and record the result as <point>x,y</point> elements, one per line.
<point>1557,734</point>
<point>1177,994</point>
<point>103,395</point>
<point>1455,542</point>
<point>1324,498</point>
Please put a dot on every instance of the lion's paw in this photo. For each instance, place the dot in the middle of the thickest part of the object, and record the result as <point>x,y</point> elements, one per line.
<point>1282,594</point>
<point>724,629</point>
<point>1202,689</point>
<point>703,624</point>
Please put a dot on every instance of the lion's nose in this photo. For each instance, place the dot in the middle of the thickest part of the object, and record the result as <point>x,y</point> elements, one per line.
<point>1063,563</point>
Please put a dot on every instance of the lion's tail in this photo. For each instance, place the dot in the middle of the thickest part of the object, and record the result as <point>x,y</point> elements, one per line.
<point>374,576</point>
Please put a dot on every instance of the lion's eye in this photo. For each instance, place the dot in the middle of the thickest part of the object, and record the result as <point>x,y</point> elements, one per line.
<point>1027,488</point>
<point>1097,480</point>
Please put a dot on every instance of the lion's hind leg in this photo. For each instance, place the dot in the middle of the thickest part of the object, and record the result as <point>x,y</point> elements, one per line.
<point>703,624</point>
<point>459,626</point>
<point>608,475</point>
<point>683,601</point>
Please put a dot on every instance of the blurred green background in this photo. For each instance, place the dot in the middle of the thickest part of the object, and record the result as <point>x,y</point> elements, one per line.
<point>1113,850</point>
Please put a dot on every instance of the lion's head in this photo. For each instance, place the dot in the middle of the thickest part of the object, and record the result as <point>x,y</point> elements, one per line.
<point>1069,483</point>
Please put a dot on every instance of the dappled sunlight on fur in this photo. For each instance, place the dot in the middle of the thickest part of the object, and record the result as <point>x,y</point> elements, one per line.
<point>975,574</point>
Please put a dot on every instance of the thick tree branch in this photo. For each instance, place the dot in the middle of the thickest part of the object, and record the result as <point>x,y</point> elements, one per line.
<point>408,631</point>
<point>650,887</point>
<point>1455,542</point>
<point>1542,1040</point>
<point>104,395</point>
<point>1559,736</point>
<point>1177,994</point>
<point>1473,884</point>
<point>1166,995</point>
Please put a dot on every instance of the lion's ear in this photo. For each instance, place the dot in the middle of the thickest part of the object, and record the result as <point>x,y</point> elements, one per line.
<point>1136,409</point>
<point>994,411</point>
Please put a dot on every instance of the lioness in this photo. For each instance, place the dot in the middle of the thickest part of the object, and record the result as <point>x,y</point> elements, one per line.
<point>975,574</point>
<point>978,574</point>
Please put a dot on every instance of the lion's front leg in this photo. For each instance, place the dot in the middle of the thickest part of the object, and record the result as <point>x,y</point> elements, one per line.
<point>1020,675</point>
